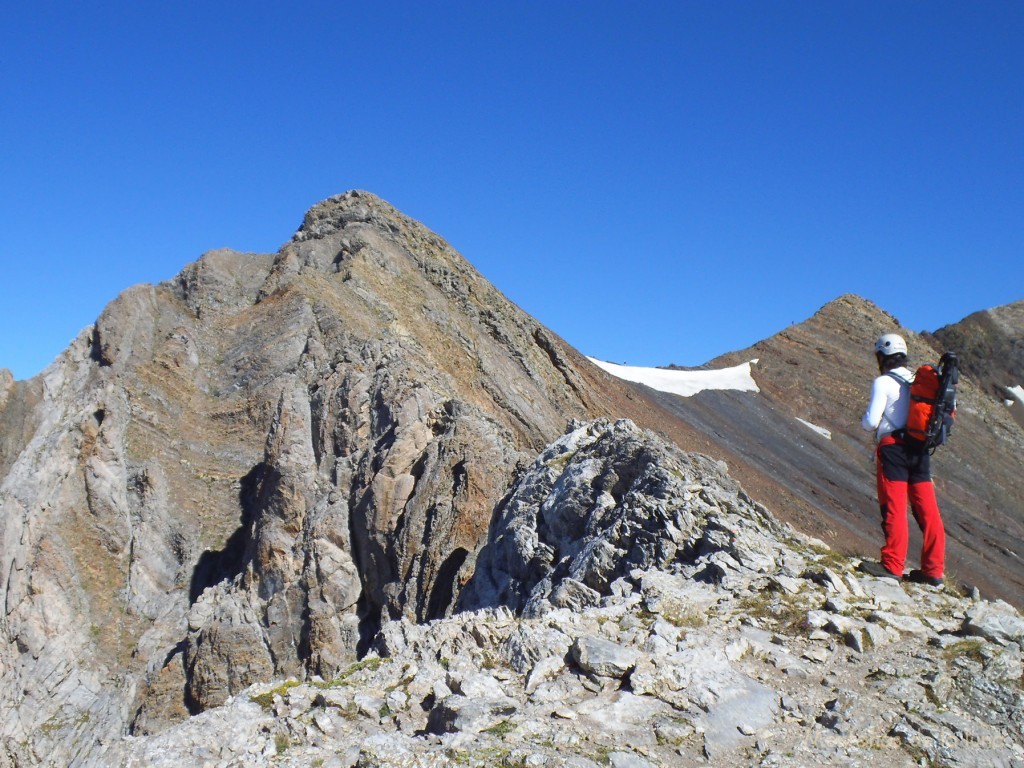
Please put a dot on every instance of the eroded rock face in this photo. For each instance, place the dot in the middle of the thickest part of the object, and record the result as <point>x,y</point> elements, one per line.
<point>243,471</point>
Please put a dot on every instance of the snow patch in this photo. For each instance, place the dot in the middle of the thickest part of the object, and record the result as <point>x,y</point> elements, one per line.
<point>1018,393</point>
<point>826,433</point>
<point>684,383</point>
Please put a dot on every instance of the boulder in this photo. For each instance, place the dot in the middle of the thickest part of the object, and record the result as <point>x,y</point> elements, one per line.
<point>603,658</point>
<point>996,621</point>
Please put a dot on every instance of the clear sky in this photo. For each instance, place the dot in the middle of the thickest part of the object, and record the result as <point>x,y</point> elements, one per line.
<point>658,182</point>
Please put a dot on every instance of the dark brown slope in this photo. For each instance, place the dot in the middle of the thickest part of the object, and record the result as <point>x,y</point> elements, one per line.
<point>820,371</point>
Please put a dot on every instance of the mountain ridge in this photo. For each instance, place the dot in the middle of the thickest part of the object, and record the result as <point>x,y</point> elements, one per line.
<point>661,618</point>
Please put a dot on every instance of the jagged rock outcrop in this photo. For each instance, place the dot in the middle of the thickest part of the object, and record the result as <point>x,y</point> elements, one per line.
<point>744,644</point>
<point>607,499</point>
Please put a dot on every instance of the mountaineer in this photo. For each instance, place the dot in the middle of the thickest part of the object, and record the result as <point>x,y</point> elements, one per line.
<point>903,470</point>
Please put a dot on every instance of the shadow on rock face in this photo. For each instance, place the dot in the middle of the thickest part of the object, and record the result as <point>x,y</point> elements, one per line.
<point>215,566</point>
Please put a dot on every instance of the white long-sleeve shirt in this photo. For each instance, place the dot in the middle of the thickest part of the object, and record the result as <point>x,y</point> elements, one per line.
<point>890,403</point>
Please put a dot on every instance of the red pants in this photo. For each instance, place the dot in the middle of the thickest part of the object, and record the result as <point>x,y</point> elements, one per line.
<point>906,472</point>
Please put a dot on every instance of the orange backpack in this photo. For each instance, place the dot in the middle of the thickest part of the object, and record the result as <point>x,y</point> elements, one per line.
<point>933,403</point>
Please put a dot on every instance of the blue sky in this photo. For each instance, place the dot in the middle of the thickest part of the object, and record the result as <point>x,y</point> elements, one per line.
<point>658,182</point>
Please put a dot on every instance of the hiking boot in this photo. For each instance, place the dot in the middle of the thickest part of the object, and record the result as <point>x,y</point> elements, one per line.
<point>918,577</point>
<point>872,568</point>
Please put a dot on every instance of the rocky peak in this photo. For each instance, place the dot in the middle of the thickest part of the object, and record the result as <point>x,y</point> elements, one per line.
<point>243,471</point>
<point>353,207</point>
<point>991,349</point>
<point>854,312</point>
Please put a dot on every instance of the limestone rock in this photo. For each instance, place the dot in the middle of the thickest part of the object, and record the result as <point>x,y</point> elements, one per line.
<point>606,499</point>
<point>603,658</point>
<point>995,621</point>
<point>468,715</point>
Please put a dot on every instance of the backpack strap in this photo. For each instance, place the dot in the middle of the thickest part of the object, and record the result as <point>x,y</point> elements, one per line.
<point>899,434</point>
<point>899,378</point>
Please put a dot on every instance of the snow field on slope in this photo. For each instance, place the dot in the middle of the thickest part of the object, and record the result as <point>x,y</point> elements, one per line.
<point>684,383</point>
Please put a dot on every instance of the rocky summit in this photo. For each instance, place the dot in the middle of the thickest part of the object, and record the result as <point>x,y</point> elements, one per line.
<point>347,505</point>
<point>241,473</point>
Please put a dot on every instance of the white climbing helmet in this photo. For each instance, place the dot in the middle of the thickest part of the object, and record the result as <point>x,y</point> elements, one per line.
<point>891,344</point>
